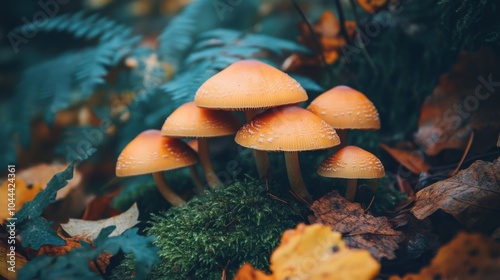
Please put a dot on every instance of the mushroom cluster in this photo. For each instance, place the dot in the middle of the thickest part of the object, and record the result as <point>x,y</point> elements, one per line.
<point>253,86</point>
<point>345,108</point>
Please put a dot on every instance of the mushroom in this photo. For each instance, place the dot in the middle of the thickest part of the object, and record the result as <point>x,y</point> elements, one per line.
<point>250,85</point>
<point>149,152</point>
<point>345,108</point>
<point>352,163</point>
<point>289,129</point>
<point>191,121</point>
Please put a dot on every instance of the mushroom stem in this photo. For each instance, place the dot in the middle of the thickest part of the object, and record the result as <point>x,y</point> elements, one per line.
<point>373,185</point>
<point>342,133</point>
<point>261,157</point>
<point>166,191</point>
<point>295,176</point>
<point>196,179</point>
<point>350,192</point>
<point>206,164</point>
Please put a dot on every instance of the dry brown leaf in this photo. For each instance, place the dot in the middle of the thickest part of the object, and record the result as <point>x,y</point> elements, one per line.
<point>412,160</point>
<point>472,197</point>
<point>315,252</point>
<point>53,250</point>
<point>91,229</point>
<point>100,207</point>
<point>23,193</point>
<point>465,100</point>
<point>360,230</point>
<point>74,242</point>
<point>467,256</point>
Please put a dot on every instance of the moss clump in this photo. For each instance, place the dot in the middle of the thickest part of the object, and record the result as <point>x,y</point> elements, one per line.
<point>221,230</point>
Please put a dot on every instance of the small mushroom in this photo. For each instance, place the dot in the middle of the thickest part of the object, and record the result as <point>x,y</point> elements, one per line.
<point>149,152</point>
<point>288,129</point>
<point>345,108</point>
<point>250,85</point>
<point>352,163</point>
<point>191,121</point>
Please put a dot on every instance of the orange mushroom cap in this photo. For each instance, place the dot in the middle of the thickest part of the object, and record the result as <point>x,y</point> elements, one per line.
<point>345,108</point>
<point>249,84</point>
<point>191,121</point>
<point>150,152</point>
<point>287,128</point>
<point>352,162</point>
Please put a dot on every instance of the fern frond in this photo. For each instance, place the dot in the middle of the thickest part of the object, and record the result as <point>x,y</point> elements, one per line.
<point>84,27</point>
<point>60,82</point>
<point>202,15</point>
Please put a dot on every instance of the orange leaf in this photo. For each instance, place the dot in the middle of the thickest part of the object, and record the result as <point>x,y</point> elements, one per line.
<point>248,272</point>
<point>372,6</point>
<point>412,160</point>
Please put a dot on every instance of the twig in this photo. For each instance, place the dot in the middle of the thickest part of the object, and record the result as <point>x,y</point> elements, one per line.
<point>319,48</point>
<point>359,41</point>
<point>342,21</point>
<point>467,149</point>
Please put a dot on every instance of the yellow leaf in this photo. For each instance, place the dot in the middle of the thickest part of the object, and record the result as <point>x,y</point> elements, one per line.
<point>22,194</point>
<point>468,256</point>
<point>315,252</point>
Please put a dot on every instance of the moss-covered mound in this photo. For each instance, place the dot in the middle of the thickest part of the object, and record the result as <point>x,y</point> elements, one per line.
<point>221,230</point>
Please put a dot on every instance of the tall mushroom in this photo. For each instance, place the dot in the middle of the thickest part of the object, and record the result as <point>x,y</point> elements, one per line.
<point>352,163</point>
<point>288,129</point>
<point>149,152</point>
<point>191,121</point>
<point>345,108</point>
<point>250,85</point>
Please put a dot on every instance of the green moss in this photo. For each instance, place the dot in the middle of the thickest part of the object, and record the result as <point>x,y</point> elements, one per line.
<point>221,230</point>
<point>386,198</point>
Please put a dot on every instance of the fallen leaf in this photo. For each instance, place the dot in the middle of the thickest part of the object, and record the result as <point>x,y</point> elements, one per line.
<point>90,229</point>
<point>53,250</point>
<point>361,230</point>
<point>75,242</point>
<point>22,194</point>
<point>40,175</point>
<point>413,160</point>
<point>467,256</point>
<point>419,237</point>
<point>100,207</point>
<point>248,272</point>
<point>465,100</point>
<point>327,33</point>
<point>472,197</point>
<point>18,262</point>
<point>372,6</point>
<point>315,252</point>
